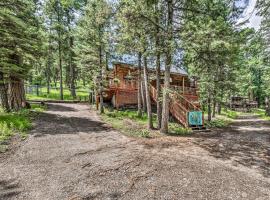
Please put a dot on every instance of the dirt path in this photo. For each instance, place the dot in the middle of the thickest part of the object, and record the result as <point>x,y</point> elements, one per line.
<point>72,155</point>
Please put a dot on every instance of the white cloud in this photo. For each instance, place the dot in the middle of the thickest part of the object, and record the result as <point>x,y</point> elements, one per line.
<point>250,15</point>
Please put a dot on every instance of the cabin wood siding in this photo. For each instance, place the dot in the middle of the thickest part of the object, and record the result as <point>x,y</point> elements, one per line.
<point>123,98</point>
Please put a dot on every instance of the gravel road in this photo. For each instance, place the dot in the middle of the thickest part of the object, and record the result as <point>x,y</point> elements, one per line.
<point>72,155</point>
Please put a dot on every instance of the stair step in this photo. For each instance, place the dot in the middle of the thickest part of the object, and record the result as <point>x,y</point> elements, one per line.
<point>198,127</point>
<point>201,130</point>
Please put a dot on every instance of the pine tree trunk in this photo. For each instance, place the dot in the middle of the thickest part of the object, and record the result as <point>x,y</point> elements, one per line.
<point>214,109</point>
<point>143,96</point>
<point>47,73</point>
<point>49,62</point>
<point>209,108</point>
<point>166,99</point>
<point>158,87</point>
<point>107,61</point>
<point>72,71</point>
<point>267,106</point>
<point>219,108</point>
<point>147,94</point>
<point>139,85</point>
<point>16,93</point>
<point>60,51</point>
<point>48,80</point>
<point>61,72</point>
<point>101,106</point>
<point>3,93</point>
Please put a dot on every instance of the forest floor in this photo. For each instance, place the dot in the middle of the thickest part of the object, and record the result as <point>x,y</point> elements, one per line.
<point>72,155</point>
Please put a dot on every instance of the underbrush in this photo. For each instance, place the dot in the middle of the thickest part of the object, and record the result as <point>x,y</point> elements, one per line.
<point>55,95</point>
<point>261,113</point>
<point>129,123</point>
<point>230,114</point>
<point>177,129</point>
<point>217,123</point>
<point>17,122</point>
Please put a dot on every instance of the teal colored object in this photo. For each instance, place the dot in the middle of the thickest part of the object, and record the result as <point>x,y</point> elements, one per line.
<point>195,118</point>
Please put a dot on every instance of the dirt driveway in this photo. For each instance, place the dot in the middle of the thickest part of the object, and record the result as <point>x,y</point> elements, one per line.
<point>72,155</point>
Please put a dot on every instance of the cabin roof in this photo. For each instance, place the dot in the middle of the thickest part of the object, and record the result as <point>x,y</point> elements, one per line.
<point>176,71</point>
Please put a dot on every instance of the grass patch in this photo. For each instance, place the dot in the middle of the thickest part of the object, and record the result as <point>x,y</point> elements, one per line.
<point>129,123</point>
<point>230,114</point>
<point>177,129</point>
<point>261,113</point>
<point>17,122</point>
<point>217,123</point>
<point>82,94</point>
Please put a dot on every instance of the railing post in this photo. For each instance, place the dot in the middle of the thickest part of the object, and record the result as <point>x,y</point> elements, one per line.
<point>183,85</point>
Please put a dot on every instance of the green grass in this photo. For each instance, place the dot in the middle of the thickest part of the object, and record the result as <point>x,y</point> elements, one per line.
<point>177,129</point>
<point>230,113</point>
<point>261,113</point>
<point>130,124</point>
<point>82,94</point>
<point>17,122</point>
<point>217,123</point>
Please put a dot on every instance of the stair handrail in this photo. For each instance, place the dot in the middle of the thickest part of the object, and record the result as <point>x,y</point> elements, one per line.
<point>189,102</point>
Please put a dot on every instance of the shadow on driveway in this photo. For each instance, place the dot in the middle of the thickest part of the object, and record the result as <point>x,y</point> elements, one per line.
<point>245,142</point>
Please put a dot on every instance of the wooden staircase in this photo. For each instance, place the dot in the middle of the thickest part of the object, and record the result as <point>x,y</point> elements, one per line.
<point>180,106</point>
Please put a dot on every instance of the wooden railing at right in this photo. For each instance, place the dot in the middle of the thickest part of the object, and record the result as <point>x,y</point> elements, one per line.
<point>179,105</point>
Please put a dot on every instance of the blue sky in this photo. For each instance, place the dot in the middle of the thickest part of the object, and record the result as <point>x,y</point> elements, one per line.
<point>250,13</point>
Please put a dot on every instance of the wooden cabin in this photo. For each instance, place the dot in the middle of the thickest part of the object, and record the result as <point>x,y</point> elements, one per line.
<point>121,90</point>
<point>242,104</point>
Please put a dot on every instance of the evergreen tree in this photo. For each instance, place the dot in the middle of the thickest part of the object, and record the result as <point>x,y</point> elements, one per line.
<point>93,42</point>
<point>211,47</point>
<point>19,46</point>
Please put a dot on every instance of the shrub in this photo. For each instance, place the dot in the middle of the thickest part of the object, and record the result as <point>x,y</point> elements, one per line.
<point>20,122</point>
<point>231,114</point>
<point>144,133</point>
<point>176,129</point>
<point>5,131</point>
<point>217,123</point>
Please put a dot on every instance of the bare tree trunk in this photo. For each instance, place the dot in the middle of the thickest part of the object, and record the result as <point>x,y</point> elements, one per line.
<point>158,87</point>
<point>61,71</point>
<point>139,85</point>
<point>48,79</point>
<point>219,108</point>
<point>143,96</point>
<point>72,70</point>
<point>214,108</point>
<point>267,106</point>
<point>3,93</point>
<point>60,50</point>
<point>166,103</point>
<point>101,106</point>
<point>209,108</point>
<point>107,61</point>
<point>147,94</point>
<point>49,63</point>
<point>16,93</point>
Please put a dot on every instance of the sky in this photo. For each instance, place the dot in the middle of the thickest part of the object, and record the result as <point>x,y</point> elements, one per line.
<point>250,14</point>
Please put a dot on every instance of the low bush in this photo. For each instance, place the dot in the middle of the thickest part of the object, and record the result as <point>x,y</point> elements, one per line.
<point>144,133</point>
<point>17,122</point>
<point>217,123</point>
<point>232,114</point>
<point>177,129</point>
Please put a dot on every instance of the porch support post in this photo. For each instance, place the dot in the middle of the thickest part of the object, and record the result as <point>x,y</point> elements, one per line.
<point>183,85</point>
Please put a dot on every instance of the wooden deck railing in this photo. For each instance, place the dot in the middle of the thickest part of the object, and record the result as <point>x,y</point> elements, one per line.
<point>115,85</point>
<point>179,105</point>
<point>184,90</point>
